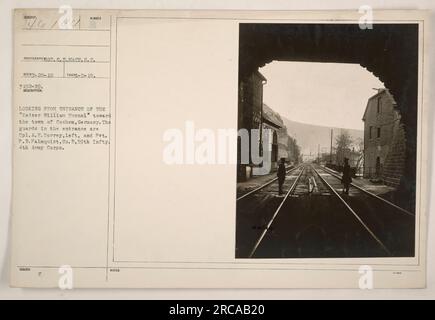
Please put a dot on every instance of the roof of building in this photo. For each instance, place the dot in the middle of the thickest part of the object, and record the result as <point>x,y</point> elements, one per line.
<point>261,75</point>
<point>271,117</point>
<point>380,92</point>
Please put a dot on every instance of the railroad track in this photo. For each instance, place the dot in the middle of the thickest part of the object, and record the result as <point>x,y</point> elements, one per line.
<point>267,228</point>
<point>375,217</point>
<point>352,211</point>
<point>252,192</point>
<point>399,209</point>
<point>391,225</point>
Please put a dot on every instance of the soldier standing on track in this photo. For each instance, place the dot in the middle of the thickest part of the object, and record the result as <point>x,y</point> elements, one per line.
<point>346,179</point>
<point>281,175</point>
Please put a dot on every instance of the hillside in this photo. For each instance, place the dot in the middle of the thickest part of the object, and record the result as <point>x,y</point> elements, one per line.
<point>309,136</point>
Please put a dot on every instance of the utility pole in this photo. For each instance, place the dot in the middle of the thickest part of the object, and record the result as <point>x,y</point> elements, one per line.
<point>330,150</point>
<point>318,153</point>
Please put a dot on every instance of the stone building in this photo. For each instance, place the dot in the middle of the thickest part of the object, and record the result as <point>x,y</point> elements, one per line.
<point>250,113</point>
<point>384,140</point>
<point>254,114</point>
<point>283,146</point>
<point>278,138</point>
<point>251,101</point>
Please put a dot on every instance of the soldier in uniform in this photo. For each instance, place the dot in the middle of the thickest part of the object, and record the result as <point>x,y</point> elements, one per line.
<point>281,174</point>
<point>346,179</point>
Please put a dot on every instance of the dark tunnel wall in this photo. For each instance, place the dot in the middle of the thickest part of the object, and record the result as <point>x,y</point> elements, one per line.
<point>389,51</point>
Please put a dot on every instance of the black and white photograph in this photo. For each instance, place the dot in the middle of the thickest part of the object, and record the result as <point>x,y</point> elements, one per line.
<point>327,145</point>
<point>220,149</point>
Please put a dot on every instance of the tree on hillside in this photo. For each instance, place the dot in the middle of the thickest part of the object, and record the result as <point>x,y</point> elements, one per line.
<point>343,144</point>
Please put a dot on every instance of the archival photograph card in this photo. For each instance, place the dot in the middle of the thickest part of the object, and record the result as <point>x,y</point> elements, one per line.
<point>219,149</point>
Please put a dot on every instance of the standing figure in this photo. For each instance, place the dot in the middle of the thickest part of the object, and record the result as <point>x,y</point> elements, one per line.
<point>346,179</point>
<point>281,174</point>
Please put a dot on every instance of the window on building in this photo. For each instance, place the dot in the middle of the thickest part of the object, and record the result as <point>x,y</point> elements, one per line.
<point>379,133</point>
<point>379,106</point>
<point>370,132</point>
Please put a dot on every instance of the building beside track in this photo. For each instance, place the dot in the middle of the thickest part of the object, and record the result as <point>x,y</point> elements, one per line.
<point>271,136</point>
<point>384,140</point>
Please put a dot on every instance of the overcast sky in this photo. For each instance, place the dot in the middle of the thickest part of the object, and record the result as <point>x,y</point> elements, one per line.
<point>329,94</point>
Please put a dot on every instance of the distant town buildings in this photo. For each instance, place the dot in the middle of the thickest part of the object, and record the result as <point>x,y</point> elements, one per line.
<point>384,140</point>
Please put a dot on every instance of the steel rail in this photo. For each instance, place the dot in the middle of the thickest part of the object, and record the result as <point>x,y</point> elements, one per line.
<point>265,185</point>
<point>370,193</point>
<point>354,213</point>
<point>290,191</point>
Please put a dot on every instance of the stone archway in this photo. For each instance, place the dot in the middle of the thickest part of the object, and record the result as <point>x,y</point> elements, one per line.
<point>389,51</point>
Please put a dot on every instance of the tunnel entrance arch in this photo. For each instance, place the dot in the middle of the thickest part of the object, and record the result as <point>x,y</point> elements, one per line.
<point>389,51</point>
